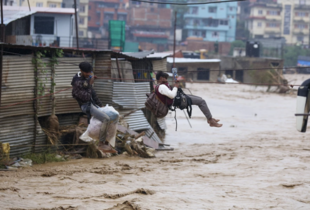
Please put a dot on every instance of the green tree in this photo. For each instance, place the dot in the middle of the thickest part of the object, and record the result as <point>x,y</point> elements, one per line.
<point>237,43</point>
<point>291,53</point>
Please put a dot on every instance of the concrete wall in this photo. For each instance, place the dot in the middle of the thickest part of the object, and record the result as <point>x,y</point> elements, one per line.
<point>252,76</point>
<point>63,28</point>
<point>191,73</point>
<point>224,47</point>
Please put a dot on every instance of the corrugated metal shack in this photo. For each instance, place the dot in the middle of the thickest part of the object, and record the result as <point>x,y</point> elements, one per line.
<point>20,82</point>
<point>140,67</point>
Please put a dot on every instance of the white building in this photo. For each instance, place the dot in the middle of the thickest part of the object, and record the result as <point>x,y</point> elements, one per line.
<point>40,26</point>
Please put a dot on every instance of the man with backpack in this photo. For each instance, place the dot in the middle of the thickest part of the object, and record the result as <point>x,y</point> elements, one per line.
<point>166,95</point>
<point>83,92</point>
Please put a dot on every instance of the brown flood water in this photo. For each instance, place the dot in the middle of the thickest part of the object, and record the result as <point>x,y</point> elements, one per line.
<point>257,160</point>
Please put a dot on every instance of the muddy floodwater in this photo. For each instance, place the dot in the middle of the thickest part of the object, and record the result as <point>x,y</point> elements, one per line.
<point>257,160</point>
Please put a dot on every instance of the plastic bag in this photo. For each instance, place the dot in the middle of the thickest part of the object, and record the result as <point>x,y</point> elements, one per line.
<point>93,129</point>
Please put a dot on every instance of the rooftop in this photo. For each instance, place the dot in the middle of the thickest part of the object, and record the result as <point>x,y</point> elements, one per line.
<point>160,55</point>
<point>189,60</point>
<point>13,13</point>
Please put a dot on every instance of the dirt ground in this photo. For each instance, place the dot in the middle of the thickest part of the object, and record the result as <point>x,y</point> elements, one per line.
<point>257,160</point>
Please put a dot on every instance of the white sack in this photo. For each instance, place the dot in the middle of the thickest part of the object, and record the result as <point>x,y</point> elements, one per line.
<point>93,129</point>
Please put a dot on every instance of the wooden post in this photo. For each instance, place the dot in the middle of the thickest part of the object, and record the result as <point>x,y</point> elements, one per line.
<point>119,72</point>
<point>174,37</point>
<point>36,75</point>
<point>53,84</point>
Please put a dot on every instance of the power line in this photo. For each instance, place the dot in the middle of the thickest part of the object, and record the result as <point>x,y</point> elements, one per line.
<point>194,3</point>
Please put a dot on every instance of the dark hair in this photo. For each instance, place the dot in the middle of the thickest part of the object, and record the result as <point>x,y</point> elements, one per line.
<point>86,67</point>
<point>161,74</point>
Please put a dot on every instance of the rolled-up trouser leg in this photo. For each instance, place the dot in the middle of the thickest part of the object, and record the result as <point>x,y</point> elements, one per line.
<point>201,103</point>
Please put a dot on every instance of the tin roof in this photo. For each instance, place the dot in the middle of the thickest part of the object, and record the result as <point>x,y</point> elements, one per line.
<point>11,14</point>
<point>160,55</point>
<point>137,55</point>
<point>189,60</point>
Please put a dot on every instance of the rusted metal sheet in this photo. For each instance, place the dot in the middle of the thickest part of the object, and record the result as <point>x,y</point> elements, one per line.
<point>136,120</point>
<point>130,95</point>
<point>41,139</point>
<point>152,135</point>
<point>125,69</point>
<point>104,91</point>
<point>44,81</point>
<point>17,86</point>
<point>17,131</point>
<point>68,119</point>
<point>65,71</point>
<point>102,67</point>
<point>146,140</point>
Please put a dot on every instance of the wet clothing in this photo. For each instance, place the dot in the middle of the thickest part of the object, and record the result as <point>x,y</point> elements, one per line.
<point>83,91</point>
<point>202,104</point>
<point>94,111</point>
<point>165,92</point>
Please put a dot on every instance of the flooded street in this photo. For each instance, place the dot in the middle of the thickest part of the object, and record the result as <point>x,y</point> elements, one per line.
<point>257,160</point>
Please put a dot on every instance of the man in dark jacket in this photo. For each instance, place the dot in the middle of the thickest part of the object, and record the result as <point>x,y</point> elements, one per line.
<point>87,98</point>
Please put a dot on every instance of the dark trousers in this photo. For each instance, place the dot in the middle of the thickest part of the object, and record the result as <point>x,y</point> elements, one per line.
<point>201,103</point>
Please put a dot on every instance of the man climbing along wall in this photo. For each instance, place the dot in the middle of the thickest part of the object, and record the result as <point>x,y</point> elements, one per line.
<point>166,94</point>
<point>86,96</point>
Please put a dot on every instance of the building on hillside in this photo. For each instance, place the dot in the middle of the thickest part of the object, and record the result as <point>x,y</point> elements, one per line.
<point>101,12</point>
<point>39,27</point>
<point>196,69</point>
<point>295,2</point>
<point>149,23</point>
<point>212,22</point>
<point>82,6</point>
<point>11,3</point>
<point>42,3</point>
<point>83,18</point>
<point>288,20</point>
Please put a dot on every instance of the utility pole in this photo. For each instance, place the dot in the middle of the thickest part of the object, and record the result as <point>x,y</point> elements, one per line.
<point>2,25</point>
<point>1,54</point>
<point>174,37</point>
<point>76,26</point>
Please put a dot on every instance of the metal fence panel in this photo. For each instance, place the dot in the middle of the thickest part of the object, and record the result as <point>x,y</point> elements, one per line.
<point>44,77</point>
<point>16,131</point>
<point>18,84</point>
<point>102,66</point>
<point>136,120</point>
<point>64,72</point>
<point>152,135</point>
<point>130,95</point>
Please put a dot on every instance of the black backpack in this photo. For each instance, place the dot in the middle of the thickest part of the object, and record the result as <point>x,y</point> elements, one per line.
<point>182,101</point>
